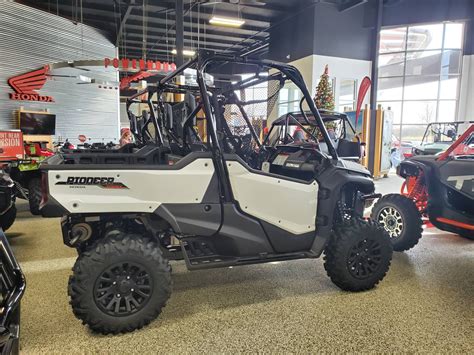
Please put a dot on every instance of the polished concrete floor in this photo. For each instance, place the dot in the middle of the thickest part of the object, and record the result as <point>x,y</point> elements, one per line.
<point>425,304</point>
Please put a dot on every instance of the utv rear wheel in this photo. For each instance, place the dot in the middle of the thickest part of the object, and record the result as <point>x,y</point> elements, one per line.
<point>7,219</point>
<point>121,284</point>
<point>358,255</point>
<point>400,217</point>
<point>34,195</point>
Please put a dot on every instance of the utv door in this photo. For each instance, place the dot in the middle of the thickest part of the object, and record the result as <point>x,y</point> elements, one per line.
<point>285,207</point>
<point>193,206</point>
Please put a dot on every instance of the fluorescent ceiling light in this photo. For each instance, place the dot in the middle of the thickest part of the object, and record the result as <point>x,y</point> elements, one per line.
<point>226,21</point>
<point>186,52</point>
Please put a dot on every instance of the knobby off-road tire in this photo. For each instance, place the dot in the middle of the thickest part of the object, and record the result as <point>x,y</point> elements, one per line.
<point>358,255</point>
<point>120,284</point>
<point>7,219</point>
<point>34,195</point>
<point>400,217</point>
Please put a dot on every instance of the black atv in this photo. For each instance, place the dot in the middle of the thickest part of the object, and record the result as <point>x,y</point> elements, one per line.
<point>198,185</point>
<point>438,190</point>
<point>12,288</point>
<point>7,201</point>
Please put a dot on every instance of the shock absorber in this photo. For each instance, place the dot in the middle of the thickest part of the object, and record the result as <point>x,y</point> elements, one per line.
<point>416,190</point>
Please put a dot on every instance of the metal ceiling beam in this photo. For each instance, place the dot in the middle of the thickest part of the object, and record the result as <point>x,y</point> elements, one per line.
<point>187,44</point>
<point>109,16</point>
<point>124,21</point>
<point>101,14</point>
<point>164,52</point>
<point>206,14</point>
<point>157,33</point>
<point>351,4</point>
<point>160,19</point>
<point>222,31</point>
<point>276,9</point>
<point>158,54</point>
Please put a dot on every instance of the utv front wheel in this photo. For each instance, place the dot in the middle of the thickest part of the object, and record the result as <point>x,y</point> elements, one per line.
<point>358,255</point>
<point>34,195</point>
<point>400,217</point>
<point>121,284</point>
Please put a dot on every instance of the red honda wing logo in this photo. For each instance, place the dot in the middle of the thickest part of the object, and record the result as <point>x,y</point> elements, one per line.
<point>25,86</point>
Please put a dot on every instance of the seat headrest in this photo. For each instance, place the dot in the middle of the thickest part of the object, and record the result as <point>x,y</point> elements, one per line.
<point>168,119</point>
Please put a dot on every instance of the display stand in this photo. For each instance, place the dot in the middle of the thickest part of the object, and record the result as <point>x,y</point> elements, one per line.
<point>382,143</point>
<point>365,134</point>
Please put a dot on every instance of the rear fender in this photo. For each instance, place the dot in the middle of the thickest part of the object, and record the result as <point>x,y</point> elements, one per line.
<point>408,169</point>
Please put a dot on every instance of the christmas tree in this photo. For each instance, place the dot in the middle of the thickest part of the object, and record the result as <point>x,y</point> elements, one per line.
<point>324,98</point>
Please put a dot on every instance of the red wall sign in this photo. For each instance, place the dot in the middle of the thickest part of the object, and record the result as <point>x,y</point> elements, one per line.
<point>127,80</point>
<point>25,86</point>
<point>11,145</point>
<point>139,64</point>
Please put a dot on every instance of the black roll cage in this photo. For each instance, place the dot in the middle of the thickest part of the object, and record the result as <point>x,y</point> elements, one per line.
<point>201,62</point>
<point>290,119</point>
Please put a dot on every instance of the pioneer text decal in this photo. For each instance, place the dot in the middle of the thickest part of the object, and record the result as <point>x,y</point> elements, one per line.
<point>103,182</point>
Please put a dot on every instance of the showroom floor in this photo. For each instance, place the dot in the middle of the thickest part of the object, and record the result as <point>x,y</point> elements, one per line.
<point>424,304</point>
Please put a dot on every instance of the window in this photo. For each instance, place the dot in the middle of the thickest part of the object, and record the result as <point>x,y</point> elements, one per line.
<point>347,95</point>
<point>289,99</point>
<point>419,75</point>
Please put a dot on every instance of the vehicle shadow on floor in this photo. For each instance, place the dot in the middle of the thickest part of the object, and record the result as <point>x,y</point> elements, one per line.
<point>13,235</point>
<point>225,288</point>
<point>253,284</point>
<point>25,215</point>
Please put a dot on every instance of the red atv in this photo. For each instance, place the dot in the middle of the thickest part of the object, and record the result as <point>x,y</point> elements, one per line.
<point>438,190</point>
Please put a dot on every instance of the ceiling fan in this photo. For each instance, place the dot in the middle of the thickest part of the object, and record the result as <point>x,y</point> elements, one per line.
<point>234,2</point>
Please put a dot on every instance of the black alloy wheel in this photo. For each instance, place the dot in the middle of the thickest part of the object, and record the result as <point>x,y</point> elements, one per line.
<point>358,255</point>
<point>120,283</point>
<point>123,289</point>
<point>364,258</point>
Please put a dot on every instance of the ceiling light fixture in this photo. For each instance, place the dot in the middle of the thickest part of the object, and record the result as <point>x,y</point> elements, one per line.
<point>186,52</point>
<point>226,21</point>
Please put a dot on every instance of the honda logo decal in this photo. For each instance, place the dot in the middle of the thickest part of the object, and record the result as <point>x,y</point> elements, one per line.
<point>25,86</point>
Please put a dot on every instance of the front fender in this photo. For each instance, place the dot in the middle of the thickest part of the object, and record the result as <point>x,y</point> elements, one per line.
<point>332,182</point>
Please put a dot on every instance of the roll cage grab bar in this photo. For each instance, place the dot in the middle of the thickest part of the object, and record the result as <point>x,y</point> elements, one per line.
<point>200,63</point>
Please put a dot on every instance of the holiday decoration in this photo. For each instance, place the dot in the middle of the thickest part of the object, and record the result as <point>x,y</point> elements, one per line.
<point>324,98</point>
